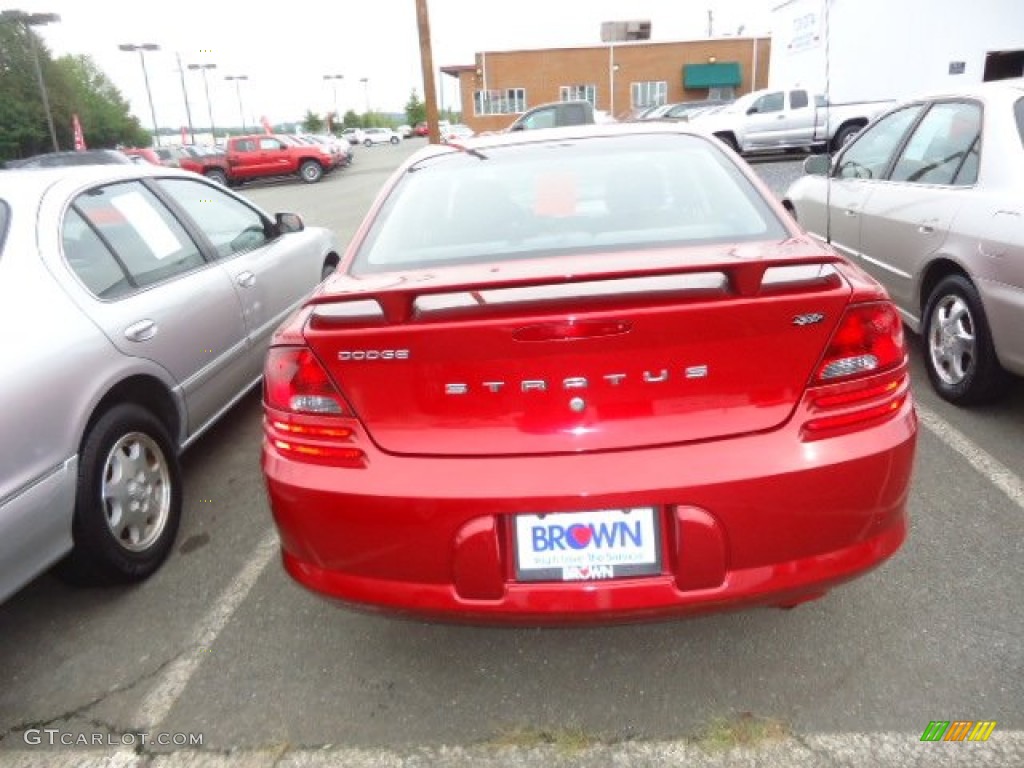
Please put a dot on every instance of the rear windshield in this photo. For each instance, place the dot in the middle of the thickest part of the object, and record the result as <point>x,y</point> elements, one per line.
<point>574,196</point>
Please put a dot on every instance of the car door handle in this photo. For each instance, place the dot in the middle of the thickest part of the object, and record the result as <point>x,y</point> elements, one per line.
<point>780,117</point>
<point>926,229</point>
<point>849,212</point>
<point>246,279</point>
<point>141,331</point>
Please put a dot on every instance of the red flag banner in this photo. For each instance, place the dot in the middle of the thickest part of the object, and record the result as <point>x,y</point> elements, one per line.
<point>76,127</point>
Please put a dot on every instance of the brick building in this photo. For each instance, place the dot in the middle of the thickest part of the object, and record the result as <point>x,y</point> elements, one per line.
<point>618,78</point>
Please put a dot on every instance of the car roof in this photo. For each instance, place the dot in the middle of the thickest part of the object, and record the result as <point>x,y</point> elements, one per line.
<point>57,159</point>
<point>592,130</point>
<point>1011,89</point>
<point>495,140</point>
<point>18,183</point>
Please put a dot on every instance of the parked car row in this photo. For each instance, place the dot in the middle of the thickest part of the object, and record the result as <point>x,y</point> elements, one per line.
<point>614,376</point>
<point>161,290</point>
<point>683,110</point>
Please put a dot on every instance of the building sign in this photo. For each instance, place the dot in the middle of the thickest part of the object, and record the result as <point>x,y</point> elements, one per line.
<point>805,33</point>
<point>957,67</point>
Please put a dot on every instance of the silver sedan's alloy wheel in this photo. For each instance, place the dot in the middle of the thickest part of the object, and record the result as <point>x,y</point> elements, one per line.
<point>952,344</point>
<point>959,350</point>
<point>136,491</point>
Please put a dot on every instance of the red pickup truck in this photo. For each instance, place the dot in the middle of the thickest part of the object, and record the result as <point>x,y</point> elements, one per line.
<point>263,155</point>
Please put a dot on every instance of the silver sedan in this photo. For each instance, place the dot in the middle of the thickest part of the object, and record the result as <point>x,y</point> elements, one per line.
<point>136,306</point>
<point>930,200</point>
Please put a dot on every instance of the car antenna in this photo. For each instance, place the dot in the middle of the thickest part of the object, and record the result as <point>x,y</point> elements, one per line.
<point>468,150</point>
<point>828,128</point>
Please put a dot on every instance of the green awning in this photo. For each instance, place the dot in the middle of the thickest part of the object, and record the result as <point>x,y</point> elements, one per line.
<point>717,75</point>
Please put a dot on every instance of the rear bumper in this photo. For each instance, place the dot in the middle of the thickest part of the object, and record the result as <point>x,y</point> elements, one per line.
<point>761,519</point>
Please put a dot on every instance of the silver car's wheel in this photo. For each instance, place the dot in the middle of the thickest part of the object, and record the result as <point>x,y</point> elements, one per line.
<point>959,353</point>
<point>128,499</point>
<point>136,491</point>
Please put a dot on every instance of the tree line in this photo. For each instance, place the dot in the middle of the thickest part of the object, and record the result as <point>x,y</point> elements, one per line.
<point>74,84</point>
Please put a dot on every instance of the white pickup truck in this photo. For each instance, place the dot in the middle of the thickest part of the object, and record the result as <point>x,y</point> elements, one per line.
<point>775,120</point>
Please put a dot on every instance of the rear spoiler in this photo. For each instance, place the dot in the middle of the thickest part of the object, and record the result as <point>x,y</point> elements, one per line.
<point>396,299</point>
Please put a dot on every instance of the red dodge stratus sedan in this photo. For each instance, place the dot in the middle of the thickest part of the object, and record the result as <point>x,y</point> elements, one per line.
<point>589,374</point>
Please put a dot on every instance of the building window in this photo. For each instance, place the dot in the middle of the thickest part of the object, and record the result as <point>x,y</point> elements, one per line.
<point>652,93</point>
<point>511,101</point>
<point>724,93</point>
<point>578,93</point>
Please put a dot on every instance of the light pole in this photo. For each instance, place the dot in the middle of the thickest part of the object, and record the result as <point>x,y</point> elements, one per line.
<point>366,90</point>
<point>29,20</point>
<point>334,84</point>
<point>188,108</point>
<point>206,87</point>
<point>238,91</point>
<point>145,76</point>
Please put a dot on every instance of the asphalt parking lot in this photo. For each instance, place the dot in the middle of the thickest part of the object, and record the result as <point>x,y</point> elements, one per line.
<point>221,646</point>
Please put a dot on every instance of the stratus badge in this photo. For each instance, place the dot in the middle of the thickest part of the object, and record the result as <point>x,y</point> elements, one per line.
<point>809,319</point>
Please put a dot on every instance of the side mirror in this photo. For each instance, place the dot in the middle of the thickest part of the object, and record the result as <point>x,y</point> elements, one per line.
<point>818,165</point>
<point>516,127</point>
<point>753,110</point>
<point>288,222</point>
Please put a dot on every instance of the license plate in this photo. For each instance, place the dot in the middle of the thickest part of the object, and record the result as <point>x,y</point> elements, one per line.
<point>584,546</point>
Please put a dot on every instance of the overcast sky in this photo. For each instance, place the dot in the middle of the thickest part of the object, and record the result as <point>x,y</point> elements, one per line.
<point>286,48</point>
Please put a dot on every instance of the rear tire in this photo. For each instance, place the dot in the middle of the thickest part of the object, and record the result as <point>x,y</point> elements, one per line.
<point>395,139</point>
<point>328,269</point>
<point>128,499</point>
<point>730,141</point>
<point>311,171</point>
<point>958,350</point>
<point>218,176</point>
<point>845,136</point>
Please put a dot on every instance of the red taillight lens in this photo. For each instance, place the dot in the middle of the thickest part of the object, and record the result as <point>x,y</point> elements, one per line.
<point>294,380</point>
<point>862,379</point>
<point>307,417</point>
<point>869,340</point>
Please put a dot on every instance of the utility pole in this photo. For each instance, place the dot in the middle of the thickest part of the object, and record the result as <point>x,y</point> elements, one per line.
<point>427,64</point>
<point>711,23</point>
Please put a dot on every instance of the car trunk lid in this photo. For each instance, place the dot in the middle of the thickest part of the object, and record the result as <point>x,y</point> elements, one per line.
<point>557,356</point>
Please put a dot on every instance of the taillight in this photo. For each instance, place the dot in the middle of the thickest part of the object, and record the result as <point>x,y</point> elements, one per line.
<point>862,379</point>
<point>869,340</point>
<point>307,418</point>
<point>294,380</point>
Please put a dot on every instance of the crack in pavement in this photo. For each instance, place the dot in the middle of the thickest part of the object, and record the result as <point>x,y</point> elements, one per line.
<point>80,711</point>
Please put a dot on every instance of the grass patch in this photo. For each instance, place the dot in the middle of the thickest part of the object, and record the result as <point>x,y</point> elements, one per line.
<point>746,730</point>
<point>569,740</point>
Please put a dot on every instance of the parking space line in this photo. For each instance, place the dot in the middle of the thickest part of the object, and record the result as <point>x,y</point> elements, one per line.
<point>998,473</point>
<point>162,698</point>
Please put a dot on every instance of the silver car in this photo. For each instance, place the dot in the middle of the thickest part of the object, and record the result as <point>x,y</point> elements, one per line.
<point>930,200</point>
<point>136,304</point>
